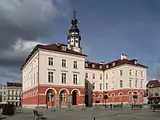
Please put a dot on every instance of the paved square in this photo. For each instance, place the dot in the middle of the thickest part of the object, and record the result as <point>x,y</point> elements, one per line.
<point>89,113</point>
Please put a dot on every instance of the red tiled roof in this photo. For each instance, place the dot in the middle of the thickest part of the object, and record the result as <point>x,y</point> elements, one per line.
<point>14,84</point>
<point>113,64</point>
<point>153,83</point>
<point>52,47</point>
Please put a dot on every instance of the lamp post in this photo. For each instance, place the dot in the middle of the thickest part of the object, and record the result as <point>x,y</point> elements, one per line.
<point>105,98</point>
<point>135,97</point>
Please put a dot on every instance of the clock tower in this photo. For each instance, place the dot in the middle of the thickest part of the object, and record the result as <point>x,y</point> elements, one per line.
<point>74,37</point>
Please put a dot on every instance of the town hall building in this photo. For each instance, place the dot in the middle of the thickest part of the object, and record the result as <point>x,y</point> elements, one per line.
<point>59,75</point>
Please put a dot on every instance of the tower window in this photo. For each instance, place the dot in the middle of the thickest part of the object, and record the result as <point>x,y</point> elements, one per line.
<point>50,61</point>
<point>63,63</point>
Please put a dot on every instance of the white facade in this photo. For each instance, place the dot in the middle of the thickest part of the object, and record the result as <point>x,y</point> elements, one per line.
<point>30,73</point>
<point>57,68</point>
<point>113,77</point>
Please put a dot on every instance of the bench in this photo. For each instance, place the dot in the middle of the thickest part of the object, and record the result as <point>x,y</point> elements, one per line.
<point>136,106</point>
<point>155,107</point>
<point>37,114</point>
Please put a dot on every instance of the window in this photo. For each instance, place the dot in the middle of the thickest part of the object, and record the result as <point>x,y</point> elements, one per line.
<point>107,66</point>
<point>130,72</point>
<point>100,86</point>
<point>50,61</point>
<point>50,76</point>
<point>136,83</point>
<point>63,63</point>
<point>86,75</point>
<point>93,86</point>
<point>75,79</point>
<point>106,76</point>
<point>75,65</point>
<point>120,72</point>
<point>101,77</point>
<point>4,92</point>
<point>106,86</point>
<point>141,73</point>
<point>113,64</point>
<point>141,84</point>
<point>136,73</point>
<point>130,83</point>
<point>8,92</point>
<point>121,83</point>
<point>86,64</point>
<point>93,76</point>
<point>12,92</point>
<point>100,66</point>
<point>63,77</point>
<point>93,65</point>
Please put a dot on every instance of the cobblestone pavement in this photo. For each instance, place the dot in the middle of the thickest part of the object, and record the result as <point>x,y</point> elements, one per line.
<point>89,113</point>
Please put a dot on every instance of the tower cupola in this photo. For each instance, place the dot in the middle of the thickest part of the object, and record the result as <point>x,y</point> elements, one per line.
<point>74,37</point>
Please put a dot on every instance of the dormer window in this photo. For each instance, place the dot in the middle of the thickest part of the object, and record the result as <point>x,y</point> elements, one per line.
<point>63,48</point>
<point>86,64</point>
<point>93,65</point>
<point>107,66</point>
<point>135,62</point>
<point>113,64</point>
<point>100,66</point>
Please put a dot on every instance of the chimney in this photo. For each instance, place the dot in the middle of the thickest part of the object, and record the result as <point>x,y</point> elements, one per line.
<point>123,56</point>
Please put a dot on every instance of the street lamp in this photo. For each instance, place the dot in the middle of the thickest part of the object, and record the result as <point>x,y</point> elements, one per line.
<point>105,98</point>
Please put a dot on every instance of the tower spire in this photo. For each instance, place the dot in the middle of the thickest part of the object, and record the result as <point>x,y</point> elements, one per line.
<point>74,37</point>
<point>74,14</point>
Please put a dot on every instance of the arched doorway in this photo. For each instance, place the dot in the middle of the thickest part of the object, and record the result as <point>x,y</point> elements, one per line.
<point>112,96</point>
<point>50,95</point>
<point>74,97</point>
<point>63,98</point>
<point>121,97</point>
<point>101,98</point>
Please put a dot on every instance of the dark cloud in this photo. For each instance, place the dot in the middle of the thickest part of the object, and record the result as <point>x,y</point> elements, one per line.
<point>22,24</point>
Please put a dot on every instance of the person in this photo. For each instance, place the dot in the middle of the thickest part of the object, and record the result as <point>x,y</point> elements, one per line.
<point>111,106</point>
